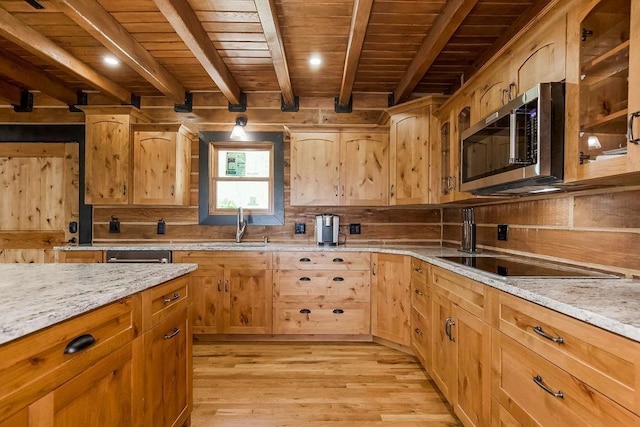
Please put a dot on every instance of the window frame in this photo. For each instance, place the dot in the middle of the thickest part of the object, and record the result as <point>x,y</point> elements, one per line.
<point>206,141</point>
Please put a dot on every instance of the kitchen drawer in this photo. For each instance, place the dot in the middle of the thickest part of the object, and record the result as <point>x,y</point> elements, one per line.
<point>516,370</point>
<point>328,260</point>
<point>243,260</point>
<point>420,338</point>
<point>420,297</point>
<point>607,362</point>
<point>463,292</point>
<point>36,364</point>
<point>160,302</point>
<point>291,318</point>
<point>321,285</point>
<point>419,270</point>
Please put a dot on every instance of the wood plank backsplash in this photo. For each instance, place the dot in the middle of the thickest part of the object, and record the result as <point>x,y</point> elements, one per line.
<point>595,228</point>
<point>416,225</point>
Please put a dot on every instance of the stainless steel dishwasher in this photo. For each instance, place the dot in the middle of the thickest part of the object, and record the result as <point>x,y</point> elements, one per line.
<point>151,256</point>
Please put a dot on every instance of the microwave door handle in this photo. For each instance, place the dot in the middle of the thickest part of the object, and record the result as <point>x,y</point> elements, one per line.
<point>513,155</point>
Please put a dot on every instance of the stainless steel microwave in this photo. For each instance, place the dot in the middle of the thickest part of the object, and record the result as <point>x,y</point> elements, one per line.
<point>519,148</point>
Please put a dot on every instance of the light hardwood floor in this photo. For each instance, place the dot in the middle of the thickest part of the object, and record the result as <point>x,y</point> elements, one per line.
<point>312,384</point>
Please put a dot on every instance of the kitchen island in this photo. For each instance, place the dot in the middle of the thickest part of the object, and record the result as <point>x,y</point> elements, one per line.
<point>95,344</point>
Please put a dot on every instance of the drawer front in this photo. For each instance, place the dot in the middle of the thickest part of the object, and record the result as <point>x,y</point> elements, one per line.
<point>161,302</point>
<point>319,286</point>
<point>607,362</point>
<point>463,292</point>
<point>292,318</point>
<point>520,377</point>
<point>419,270</point>
<point>420,297</point>
<point>221,259</point>
<point>322,260</point>
<point>420,334</point>
<point>37,363</point>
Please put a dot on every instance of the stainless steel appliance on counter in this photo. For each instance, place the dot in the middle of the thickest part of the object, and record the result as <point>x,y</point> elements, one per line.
<point>519,148</point>
<point>327,226</point>
<point>145,255</point>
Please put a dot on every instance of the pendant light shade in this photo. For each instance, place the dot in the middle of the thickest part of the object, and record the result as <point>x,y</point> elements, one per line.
<point>238,130</point>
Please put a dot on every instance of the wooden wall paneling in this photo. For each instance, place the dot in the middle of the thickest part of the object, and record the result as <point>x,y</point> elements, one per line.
<point>608,210</point>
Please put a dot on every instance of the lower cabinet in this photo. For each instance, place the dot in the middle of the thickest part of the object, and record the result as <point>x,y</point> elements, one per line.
<point>325,294</point>
<point>421,336</point>
<point>391,297</point>
<point>461,352</point>
<point>231,291</point>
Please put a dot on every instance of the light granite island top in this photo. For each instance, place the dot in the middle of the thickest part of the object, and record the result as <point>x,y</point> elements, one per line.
<point>612,304</point>
<point>35,296</point>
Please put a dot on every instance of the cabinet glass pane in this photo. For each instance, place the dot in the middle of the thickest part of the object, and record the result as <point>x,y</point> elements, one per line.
<point>445,158</point>
<point>604,74</point>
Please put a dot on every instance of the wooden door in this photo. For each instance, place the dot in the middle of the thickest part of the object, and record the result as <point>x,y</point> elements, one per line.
<point>167,371</point>
<point>634,85</point>
<point>315,163</point>
<point>443,360</point>
<point>248,301</point>
<point>107,159</point>
<point>391,297</point>
<point>40,196</point>
<point>102,395</point>
<point>472,402</point>
<point>154,168</point>
<point>364,169</point>
<point>409,160</point>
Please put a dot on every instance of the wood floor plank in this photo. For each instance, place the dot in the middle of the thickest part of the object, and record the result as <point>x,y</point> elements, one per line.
<point>313,384</point>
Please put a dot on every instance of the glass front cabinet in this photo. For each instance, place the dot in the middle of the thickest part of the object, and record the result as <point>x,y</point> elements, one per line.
<point>603,93</point>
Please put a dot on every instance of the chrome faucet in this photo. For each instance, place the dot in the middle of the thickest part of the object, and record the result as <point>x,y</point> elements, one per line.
<point>241,225</point>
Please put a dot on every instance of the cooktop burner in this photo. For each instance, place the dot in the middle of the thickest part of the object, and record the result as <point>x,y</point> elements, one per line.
<point>509,267</point>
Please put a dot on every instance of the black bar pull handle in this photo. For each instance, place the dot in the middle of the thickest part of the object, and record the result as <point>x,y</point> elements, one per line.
<point>338,260</point>
<point>305,260</point>
<point>79,343</point>
<point>338,279</point>
<point>338,311</point>
<point>305,311</point>
<point>305,279</point>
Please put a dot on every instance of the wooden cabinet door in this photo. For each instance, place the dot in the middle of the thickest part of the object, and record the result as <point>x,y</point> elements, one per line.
<point>409,159</point>
<point>315,163</point>
<point>107,159</point>
<point>472,402</point>
<point>161,166</point>
<point>633,108</point>
<point>391,298</point>
<point>443,360</point>
<point>207,296</point>
<point>364,169</point>
<point>248,301</point>
<point>102,395</point>
<point>168,372</point>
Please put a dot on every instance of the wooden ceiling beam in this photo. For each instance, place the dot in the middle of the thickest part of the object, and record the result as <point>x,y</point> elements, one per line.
<point>94,19</point>
<point>10,93</point>
<point>185,22</point>
<point>268,17</point>
<point>26,37</point>
<point>443,28</point>
<point>31,77</point>
<point>359,24</point>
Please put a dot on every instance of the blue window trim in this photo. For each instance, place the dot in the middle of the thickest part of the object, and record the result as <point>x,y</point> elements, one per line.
<point>206,138</point>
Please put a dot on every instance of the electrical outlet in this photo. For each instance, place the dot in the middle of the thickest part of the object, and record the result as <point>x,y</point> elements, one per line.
<point>354,228</point>
<point>503,232</point>
<point>162,227</point>
<point>301,228</point>
<point>114,225</point>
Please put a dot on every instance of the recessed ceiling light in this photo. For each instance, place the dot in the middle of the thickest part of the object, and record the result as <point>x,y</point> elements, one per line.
<point>111,60</point>
<point>315,60</point>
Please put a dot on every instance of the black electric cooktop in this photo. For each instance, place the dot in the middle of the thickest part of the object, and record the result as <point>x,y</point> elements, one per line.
<point>510,267</point>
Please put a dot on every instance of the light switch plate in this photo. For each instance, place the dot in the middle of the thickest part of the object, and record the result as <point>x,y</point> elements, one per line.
<point>503,232</point>
<point>301,228</point>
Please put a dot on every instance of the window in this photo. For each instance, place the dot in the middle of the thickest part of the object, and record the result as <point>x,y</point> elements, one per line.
<point>247,174</point>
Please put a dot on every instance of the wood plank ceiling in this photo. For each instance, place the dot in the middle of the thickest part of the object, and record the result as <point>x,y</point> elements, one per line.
<point>172,47</point>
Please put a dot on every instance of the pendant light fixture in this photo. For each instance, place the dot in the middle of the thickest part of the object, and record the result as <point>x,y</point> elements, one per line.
<point>238,130</point>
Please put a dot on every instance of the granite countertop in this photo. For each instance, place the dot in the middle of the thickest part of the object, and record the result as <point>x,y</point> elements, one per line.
<point>35,296</point>
<point>612,304</point>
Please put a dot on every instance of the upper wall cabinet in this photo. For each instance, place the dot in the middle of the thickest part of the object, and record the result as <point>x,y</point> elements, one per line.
<point>339,168</point>
<point>131,163</point>
<point>413,131</point>
<point>161,164</point>
<point>602,92</point>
